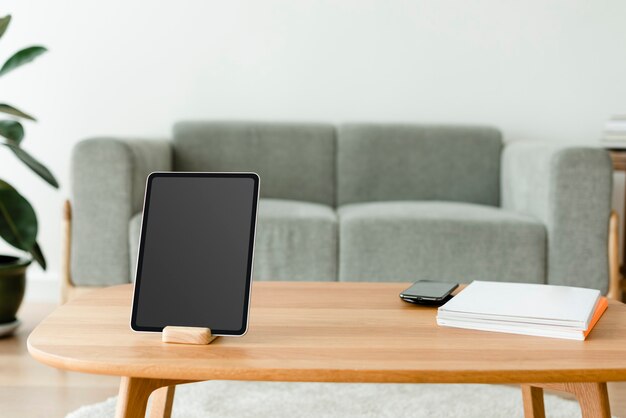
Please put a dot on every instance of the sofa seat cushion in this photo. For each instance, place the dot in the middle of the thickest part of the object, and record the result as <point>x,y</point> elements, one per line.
<point>134,231</point>
<point>442,241</point>
<point>294,241</point>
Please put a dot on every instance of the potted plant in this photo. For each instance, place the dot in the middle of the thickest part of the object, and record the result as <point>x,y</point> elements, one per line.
<point>18,221</point>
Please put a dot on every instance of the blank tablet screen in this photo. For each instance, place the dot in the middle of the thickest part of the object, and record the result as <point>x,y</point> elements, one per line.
<point>195,255</point>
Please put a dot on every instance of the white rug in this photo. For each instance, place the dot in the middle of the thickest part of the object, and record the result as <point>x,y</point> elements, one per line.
<point>225,399</point>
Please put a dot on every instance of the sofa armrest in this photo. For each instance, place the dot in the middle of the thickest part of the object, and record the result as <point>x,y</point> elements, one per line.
<point>108,178</point>
<point>569,189</point>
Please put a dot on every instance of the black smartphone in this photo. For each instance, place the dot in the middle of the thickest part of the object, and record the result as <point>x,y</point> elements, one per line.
<point>425,292</point>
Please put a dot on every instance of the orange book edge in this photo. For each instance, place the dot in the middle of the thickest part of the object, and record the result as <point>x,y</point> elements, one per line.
<point>602,305</point>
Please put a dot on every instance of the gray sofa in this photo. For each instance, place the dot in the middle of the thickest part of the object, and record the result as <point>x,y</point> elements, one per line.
<point>365,202</point>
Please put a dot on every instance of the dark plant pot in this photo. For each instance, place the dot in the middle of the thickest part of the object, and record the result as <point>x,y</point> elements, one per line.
<point>12,285</point>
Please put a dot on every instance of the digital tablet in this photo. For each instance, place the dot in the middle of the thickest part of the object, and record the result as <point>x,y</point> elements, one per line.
<point>194,266</point>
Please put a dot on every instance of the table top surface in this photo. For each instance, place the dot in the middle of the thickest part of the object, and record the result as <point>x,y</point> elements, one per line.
<point>325,332</point>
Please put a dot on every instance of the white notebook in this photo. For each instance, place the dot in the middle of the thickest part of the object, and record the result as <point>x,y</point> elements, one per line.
<point>506,304</point>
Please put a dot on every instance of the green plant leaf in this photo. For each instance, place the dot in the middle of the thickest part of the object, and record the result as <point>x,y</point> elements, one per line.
<point>21,57</point>
<point>10,110</point>
<point>18,222</point>
<point>12,130</point>
<point>38,255</point>
<point>4,24</point>
<point>33,164</point>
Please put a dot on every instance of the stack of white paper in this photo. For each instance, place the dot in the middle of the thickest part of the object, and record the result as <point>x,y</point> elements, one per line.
<point>519,308</point>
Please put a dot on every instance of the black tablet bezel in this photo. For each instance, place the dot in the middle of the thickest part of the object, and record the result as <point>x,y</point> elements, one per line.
<point>146,210</point>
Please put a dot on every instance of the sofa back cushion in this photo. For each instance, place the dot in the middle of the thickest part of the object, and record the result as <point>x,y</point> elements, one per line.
<point>378,162</point>
<point>295,161</point>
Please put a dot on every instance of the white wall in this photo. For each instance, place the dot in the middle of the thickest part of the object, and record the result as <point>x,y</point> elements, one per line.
<point>539,70</point>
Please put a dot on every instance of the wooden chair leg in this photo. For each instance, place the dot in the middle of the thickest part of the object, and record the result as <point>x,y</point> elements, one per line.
<point>533,402</point>
<point>162,402</point>
<point>593,397</point>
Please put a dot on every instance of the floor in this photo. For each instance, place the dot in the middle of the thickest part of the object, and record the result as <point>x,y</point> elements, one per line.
<point>31,390</point>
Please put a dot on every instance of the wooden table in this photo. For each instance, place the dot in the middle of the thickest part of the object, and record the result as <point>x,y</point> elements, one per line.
<point>328,332</point>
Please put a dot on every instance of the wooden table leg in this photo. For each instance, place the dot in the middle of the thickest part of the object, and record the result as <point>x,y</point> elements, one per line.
<point>533,402</point>
<point>162,401</point>
<point>593,397</point>
<point>135,391</point>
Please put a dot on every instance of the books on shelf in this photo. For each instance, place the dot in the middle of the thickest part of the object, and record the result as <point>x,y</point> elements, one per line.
<point>615,131</point>
<point>529,309</point>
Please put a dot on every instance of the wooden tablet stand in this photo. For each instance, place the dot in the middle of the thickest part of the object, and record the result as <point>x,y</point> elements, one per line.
<point>187,335</point>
